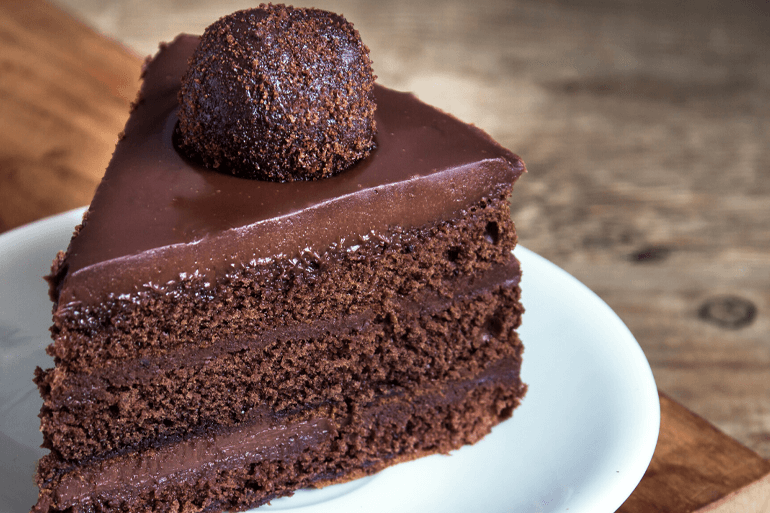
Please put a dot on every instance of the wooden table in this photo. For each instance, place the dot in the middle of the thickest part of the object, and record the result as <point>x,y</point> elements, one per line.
<point>645,128</point>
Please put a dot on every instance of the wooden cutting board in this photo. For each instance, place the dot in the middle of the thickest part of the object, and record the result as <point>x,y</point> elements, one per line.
<point>64,97</point>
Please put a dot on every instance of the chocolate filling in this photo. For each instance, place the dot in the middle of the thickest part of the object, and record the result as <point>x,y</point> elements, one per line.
<point>125,475</point>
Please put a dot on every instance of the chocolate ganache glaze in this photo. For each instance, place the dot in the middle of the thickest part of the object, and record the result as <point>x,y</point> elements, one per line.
<point>155,206</point>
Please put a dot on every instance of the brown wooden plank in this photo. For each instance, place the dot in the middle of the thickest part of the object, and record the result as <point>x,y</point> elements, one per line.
<point>694,466</point>
<point>754,497</point>
<point>64,97</point>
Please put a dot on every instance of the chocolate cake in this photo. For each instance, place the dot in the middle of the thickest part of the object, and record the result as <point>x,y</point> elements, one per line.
<point>222,341</point>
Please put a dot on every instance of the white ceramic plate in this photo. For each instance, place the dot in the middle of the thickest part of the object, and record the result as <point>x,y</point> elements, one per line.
<point>580,442</point>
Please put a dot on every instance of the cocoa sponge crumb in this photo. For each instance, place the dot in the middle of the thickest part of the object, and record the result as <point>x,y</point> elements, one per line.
<point>278,93</point>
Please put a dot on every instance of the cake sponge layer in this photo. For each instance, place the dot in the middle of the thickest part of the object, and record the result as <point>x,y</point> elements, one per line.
<point>328,445</point>
<point>137,403</point>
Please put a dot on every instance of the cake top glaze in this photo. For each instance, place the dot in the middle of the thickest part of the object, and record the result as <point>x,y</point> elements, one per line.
<point>157,216</point>
<point>278,93</point>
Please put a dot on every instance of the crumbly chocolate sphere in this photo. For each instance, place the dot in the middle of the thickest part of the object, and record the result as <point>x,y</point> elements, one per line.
<point>278,93</point>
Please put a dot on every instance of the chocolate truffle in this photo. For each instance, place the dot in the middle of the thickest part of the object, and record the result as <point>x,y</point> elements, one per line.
<point>278,93</point>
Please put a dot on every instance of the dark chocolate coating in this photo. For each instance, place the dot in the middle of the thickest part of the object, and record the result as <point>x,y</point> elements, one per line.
<point>278,94</point>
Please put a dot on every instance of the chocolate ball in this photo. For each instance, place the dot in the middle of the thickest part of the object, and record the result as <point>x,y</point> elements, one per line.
<point>278,93</point>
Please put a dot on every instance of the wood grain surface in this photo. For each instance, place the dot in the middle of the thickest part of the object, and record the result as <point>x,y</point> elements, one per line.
<point>697,468</point>
<point>644,126</point>
<point>64,97</point>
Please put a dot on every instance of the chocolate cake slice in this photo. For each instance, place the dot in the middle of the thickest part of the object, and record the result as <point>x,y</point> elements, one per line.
<point>221,341</point>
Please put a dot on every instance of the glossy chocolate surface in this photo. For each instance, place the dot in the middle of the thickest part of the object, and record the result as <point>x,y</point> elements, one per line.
<point>155,215</point>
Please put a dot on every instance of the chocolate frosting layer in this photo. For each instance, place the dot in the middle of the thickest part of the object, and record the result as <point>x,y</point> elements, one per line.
<point>126,474</point>
<point>156,215</point>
